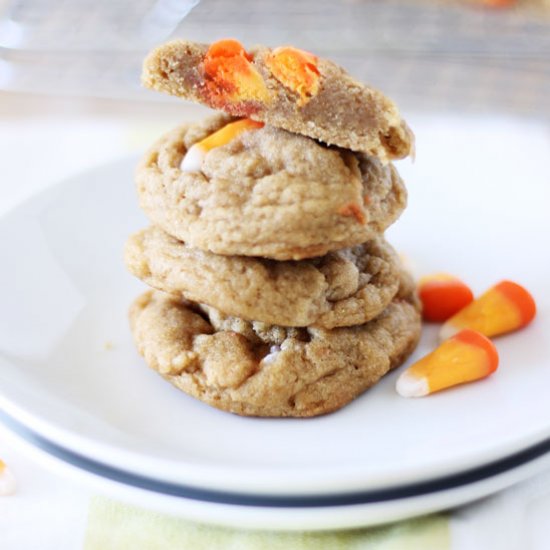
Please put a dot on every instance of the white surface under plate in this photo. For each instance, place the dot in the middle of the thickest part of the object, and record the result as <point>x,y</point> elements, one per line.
<point>69,370</point>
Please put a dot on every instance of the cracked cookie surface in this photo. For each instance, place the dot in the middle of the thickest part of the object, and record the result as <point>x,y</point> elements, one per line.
<point>267,193</point>
<point>343,288</point>
<point>254,369</point>
<point>283,87</point>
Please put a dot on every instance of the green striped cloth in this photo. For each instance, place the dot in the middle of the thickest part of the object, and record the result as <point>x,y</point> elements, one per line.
<point>116,526</point>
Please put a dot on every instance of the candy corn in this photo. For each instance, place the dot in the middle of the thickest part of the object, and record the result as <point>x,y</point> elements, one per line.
<point>465,357</point>
<point>231,76</point>
<point>8,484</point>
<point>442,296</point>
<point>192,161</point>
<point>297,70</point>
<point>505,307</point>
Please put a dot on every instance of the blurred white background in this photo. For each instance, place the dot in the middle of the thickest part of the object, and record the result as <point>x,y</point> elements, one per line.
<point>70,95</point>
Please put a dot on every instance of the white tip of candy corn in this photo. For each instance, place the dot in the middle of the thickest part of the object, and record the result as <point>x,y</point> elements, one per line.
<point>409,385</point>
<point>448,330</point>
<point>192,161</point>
<point>8,485</point>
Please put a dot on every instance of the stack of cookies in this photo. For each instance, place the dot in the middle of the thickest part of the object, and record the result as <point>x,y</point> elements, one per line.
<point>275,292</point>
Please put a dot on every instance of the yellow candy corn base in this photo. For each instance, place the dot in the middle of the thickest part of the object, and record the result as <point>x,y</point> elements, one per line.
<point>466,357</point>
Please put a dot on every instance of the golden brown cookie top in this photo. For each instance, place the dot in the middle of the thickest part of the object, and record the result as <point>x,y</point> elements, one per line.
<point>267,192</point>
<point>285,87</point>
<point>258,370</point>
<point>342,288</point>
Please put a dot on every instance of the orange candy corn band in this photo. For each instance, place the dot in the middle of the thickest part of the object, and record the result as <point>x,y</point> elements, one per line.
<point>230,75</point>
<point>504,308</point>
<point>465,357</point>
<point>192,161</point>
<point>231,80</point>
<point>442,296</point>
<point>473,338</point>
<point>295,69</point>
<point>228,133</point>
<point>521,297</point>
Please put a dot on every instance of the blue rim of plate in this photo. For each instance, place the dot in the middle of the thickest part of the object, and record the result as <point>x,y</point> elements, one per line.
<point>438,485</point>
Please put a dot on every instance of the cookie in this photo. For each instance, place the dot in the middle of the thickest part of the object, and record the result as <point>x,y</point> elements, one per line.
<point>343,288</point>
<point>284,87</point>
<point>255,369</point>
<point>267,193</point>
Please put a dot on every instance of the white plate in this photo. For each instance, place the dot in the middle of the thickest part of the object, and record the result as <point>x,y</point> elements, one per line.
<point>69,370</point>
<point>315,516</point>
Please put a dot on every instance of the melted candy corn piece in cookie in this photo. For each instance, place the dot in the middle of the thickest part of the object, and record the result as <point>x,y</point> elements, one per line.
<point>465,357</point>
<point>192,161</point>
<point>505,307</point>
<point>8,485</point>
<point>442,296</point>
<point>231,77</point>
<point>295,69</point>
<point>284,87</point>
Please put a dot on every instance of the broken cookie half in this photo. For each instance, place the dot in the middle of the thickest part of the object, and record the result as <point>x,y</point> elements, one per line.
<point>284,87</point>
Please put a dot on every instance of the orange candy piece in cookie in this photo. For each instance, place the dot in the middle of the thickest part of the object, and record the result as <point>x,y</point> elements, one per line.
<point>353,209</point>
<point>442,296</point>
<point>230,76</point>
<point>465,357</point>
<point>297,70</point>
<point>505,307</point>
<point>192,161</point>
<point>229,132</point>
